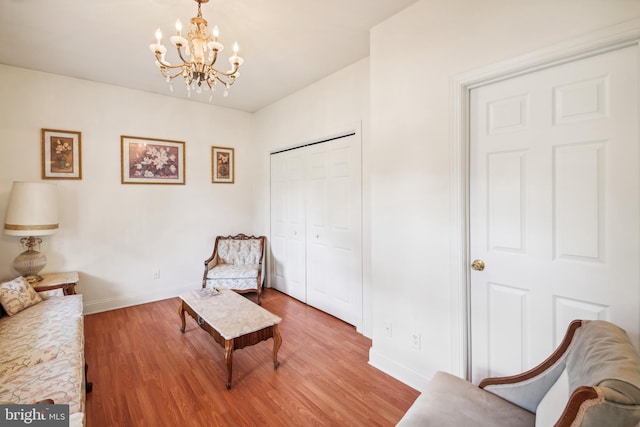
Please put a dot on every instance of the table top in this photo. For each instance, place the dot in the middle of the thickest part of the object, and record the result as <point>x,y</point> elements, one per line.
<point>53,279</point>
<point>229,313</point>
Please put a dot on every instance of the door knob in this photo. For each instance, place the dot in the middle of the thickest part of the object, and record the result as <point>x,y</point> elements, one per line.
<point>477,265</point>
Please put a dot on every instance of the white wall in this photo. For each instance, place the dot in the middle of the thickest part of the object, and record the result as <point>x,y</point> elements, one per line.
<point>335,104</point>
<point>414,57</point>
<point>116,235</point>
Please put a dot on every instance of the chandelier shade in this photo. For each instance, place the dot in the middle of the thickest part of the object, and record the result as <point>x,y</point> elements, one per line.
<point>198,53</point>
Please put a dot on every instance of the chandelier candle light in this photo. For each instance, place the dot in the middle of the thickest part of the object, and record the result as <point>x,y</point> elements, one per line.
<point>201,50</point>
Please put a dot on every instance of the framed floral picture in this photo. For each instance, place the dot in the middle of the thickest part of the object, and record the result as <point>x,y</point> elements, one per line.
<point>61,155</point>
<point>222,165</point>
<point>152,161</point>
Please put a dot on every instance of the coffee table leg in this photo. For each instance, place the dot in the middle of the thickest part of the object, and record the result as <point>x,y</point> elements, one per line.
<point>277,341</point>
<point>228,360</point>
<point>181,314</point>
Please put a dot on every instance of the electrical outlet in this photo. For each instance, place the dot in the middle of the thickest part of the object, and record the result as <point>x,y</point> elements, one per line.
<point>156,273</point>
<point>415,340</point>
<point>387,329</point>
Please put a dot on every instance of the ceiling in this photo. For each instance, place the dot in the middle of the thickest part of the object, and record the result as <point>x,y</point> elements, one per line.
<point>286,44</point>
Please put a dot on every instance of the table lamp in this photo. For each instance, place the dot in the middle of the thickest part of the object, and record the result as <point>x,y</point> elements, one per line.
<point>32,211</point>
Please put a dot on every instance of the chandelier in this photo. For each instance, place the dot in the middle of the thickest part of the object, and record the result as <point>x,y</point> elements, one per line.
<point>198,53</point>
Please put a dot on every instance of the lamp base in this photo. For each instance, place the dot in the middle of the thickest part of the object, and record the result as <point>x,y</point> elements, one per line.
<point>33,278</point>
<point>29,263</point>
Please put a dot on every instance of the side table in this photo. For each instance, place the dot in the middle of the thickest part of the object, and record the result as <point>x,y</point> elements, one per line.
<point>52,281</point>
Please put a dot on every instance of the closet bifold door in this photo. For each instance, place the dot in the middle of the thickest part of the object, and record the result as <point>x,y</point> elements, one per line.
<point>316,192</point>
<point>288,264</point>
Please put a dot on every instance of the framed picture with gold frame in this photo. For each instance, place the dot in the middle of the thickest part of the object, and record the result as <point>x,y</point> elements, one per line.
<point>222,165</point>
<point>152,161</point>
<point>61,154</point>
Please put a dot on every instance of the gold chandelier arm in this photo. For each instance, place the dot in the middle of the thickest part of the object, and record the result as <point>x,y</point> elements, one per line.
<point>224,73</point>
<point>184,61</point>
<point>164,72</point>
<point>213,59</point>
<point>225,82</point>
<point>166,64</point>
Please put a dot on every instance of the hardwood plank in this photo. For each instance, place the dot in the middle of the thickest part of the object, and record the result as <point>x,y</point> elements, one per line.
<point>146,373</point>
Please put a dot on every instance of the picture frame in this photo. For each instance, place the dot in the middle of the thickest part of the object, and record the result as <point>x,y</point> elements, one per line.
<point>152,160</point>
<point>222,165</point>
<point>61,154</point>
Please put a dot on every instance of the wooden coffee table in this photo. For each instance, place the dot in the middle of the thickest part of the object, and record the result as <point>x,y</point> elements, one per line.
<point>233,321</point>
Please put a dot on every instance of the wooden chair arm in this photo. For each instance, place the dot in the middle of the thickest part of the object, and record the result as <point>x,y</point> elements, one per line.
<point>542,367</point>
<point>581,397</point>
<point>214,253</point>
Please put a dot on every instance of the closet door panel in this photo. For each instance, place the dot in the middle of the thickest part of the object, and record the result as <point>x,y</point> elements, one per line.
<point>288,176</point>
<point>334,241</point>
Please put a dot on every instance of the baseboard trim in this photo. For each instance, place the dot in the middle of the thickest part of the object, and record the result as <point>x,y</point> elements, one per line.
<point>115,303</point>
<point>397,370</point>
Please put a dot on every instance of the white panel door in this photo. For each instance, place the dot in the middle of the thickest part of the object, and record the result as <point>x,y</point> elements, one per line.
<point>554,208</point>
<point>334,254</point>
<point>288,187</point>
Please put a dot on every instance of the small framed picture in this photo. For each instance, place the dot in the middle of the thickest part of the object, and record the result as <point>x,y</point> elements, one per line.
<point>152,161</point>
<point>222,165</point>
<point>61,154</point>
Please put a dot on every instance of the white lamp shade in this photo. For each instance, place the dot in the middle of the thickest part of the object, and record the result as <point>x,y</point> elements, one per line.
<point>32,209</point>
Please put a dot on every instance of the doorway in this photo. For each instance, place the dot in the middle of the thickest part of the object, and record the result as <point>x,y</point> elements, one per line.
<point>554,208</point>
<point>588,45</point>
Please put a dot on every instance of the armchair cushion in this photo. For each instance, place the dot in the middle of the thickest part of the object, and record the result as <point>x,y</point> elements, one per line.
<point>451,401</point>
<point>604,356</point>
<point>230,276</point>
<point>232,271</point>
<point>239,252</point>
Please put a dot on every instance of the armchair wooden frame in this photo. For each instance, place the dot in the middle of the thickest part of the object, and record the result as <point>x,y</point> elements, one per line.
<point>582,397</point>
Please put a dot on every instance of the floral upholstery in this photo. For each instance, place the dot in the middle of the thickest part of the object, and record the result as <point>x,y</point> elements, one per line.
<point>239,252</point>
<point>236,263</point>
<point>17,295</point>
<point>42,354</point>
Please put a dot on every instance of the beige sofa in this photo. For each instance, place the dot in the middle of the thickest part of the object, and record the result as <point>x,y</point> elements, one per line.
<point>42,349</point>
<point>592,379</point>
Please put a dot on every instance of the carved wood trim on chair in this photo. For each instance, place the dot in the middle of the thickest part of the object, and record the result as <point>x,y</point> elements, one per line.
<point>581,399</point>
<point>557,354</point>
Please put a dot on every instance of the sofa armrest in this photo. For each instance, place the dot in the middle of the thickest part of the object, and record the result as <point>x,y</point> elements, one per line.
<point>527,389</point>
<point>580,399</point>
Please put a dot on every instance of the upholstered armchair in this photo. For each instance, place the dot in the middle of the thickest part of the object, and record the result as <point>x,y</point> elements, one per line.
<point>237,263</point>
<point>592,379</point>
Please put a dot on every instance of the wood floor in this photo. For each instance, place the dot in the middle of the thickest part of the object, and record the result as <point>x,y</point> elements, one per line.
<point>146,373</point>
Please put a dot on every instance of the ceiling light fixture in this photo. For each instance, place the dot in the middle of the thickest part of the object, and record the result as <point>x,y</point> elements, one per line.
<point>198,53</point>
